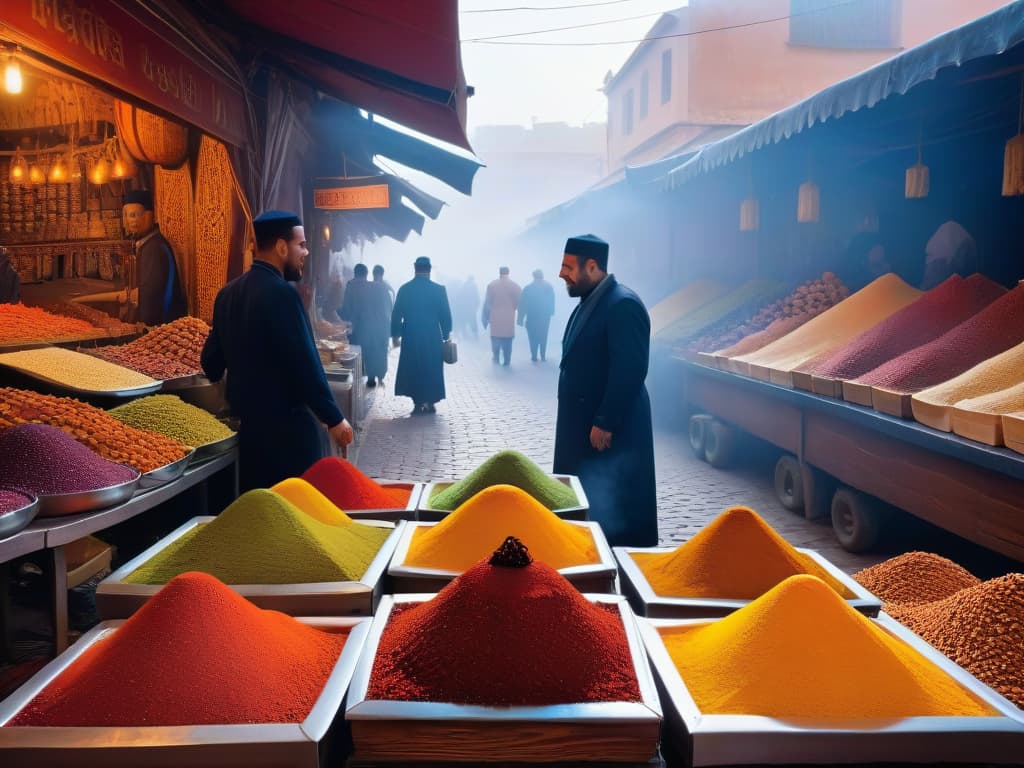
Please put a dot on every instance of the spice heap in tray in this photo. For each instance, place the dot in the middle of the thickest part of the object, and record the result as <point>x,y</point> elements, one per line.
<point>31,325</point>
<point>92,427</point>
<point>348,488</point>
<point>506,468</point>
<point>171,416</point>
<point>166,352</point>
<point>510,631</point>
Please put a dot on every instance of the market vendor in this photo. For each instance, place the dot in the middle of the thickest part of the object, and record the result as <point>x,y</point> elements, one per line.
<point>160,296</point>
<point>276,385</point>
<point>10,281</point>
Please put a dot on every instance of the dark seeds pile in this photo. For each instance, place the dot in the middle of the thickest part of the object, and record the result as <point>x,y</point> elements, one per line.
<point>46,460</point>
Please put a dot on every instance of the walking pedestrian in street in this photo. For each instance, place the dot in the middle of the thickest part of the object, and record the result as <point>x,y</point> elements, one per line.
<point>604,433</point>
<point>420,323</point>
<point>368,307</point>
<point>378,277</point>
<point>536,306</point>
<point>261,335</point>
<point>500,303</point>
<point>468,301</point>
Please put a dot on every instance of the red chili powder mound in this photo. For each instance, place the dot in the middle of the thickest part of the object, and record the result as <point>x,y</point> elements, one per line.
<point>349,489</point>
<point>993,330</point>
<point>937,312</point>
<point>197,653</point>
<point>501,636</point>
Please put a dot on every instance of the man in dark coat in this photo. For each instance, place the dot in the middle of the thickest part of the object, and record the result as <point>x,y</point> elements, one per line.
<point>604,432</point>
<point>276,384</point>
<point>422,320</point>
<point>368,307</point>
<point>10,280</point>
<point>161,298</point>
<point>536,306</point>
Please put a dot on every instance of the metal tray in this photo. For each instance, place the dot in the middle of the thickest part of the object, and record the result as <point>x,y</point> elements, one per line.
<point>579,512</point>
<point>406,513</point>
<point>646,602</point>
<point>165,474</point>
<point>60,385</point>
<point>58,504</point>
<point>16,519</point>
<point>403,732</point>
<point>184,382</point>
<point>202,746</point>
<point>216,448</point>
<point>117,599</point>
<point>750,739</point>
<point>599,577</point>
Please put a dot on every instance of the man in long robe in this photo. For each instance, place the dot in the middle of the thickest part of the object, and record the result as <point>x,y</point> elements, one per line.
<point>604,432</point>
<point>536,306</point>
<point>421,321</point>
<point>276,385</point>
<point>500,303</point>
<point>367,306</point>
<point>161,297</point>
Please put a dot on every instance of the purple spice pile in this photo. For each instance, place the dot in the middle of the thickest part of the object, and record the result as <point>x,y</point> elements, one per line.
<point>45,460</point>
<point>12,500</point>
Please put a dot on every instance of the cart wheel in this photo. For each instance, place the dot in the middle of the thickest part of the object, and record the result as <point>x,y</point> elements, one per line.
<point>789,483</point>
<point>857,519</point>
<point>698,428</point>
<point>719,444</point>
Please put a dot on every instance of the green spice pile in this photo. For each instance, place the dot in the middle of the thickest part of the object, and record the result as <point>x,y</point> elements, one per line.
<point>506,468</point>
<point>170,415</point>
<point>262,538</point>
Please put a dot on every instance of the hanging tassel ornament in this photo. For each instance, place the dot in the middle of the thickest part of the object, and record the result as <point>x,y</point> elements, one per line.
<point>918,179</point>
<point>1013,157</point>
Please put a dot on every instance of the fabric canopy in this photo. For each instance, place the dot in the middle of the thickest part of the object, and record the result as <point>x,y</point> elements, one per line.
<point>987,36</point>
<point>399,59</point>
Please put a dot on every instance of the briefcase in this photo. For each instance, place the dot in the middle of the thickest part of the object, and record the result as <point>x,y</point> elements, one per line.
<point>451,352</point>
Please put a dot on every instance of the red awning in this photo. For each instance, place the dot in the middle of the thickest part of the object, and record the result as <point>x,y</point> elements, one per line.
<point>399,59</point>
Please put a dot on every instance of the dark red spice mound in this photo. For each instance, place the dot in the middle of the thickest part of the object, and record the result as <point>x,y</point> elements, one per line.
<point>10,500</point>
<point>993,330</point>
<point>505,636</point>
<point>350,489</point>
<point>938,311</point>
<point>46,460</point>
<point>197,653</point>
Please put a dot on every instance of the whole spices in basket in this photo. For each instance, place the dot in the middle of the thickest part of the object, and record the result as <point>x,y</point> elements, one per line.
<point>799,651</point>
<point>510,631</point>
<point>214,657</point>
<point>45,461</point>
<point>91,426</point>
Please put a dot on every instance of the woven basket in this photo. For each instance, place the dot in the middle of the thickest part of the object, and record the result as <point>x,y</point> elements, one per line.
<point>150,138</point>
<point>215,203</point>
<point>175,214</point>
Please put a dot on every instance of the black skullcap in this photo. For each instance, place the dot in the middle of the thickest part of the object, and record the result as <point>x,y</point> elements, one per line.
<point>360,270</point>
<point>141,197</point>
<point>503,270</point>
<point>271,226</point>
<point>378,269</point>
<point>585,247</point>
<point>422,264</point>
<point>538,273</point>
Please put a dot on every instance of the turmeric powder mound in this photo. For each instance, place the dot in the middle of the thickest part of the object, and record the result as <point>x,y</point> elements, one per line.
<point>981,628</point>
<point>800,651</point>
<point>476,528</point>
<point>308,499</point>
<point>915,577</point>
<point>738,556</point>
<point>262,538</point>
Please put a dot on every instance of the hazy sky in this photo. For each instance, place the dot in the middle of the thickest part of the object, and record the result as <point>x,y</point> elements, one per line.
<point>515,83</point>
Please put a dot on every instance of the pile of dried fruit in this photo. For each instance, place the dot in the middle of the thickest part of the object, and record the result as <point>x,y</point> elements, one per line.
<point>977,624</point>
<point>27,325</point>
<point>165,352</point>
<point>93,316</point>
<point>809,300</point>
<point>93,427</point>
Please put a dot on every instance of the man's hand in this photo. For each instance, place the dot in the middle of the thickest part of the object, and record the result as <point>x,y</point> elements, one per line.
<point>341,433</point>
<point>396,341</point>
<point>600,439</point>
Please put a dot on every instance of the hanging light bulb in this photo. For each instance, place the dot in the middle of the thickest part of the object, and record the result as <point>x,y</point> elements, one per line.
<point>123,166</point>
<point>12,75</point>
<point>100,171</point>
<point>19,168</point>
<point>36,173</point>
<point>58,171</point>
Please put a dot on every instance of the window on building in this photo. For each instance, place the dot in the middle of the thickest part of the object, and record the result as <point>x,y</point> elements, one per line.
<point>845,24</point>
<point>645,84</point>
<point>627,112</point>
<point>666,76</point>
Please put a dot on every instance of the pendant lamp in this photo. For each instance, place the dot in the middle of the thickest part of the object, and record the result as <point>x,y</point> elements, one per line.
<point>19,168</point>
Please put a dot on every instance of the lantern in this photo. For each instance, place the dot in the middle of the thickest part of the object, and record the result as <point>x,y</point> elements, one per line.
<point>809,203</point>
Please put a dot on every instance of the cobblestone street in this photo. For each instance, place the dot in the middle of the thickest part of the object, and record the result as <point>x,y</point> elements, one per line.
<point>490,408</point>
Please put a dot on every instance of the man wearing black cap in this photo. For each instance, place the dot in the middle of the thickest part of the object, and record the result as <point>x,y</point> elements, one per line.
<point>536,307</point>
<point>161,298</point>
<point>604,432</point>
<point>421,322</point>
<point>276,384</point>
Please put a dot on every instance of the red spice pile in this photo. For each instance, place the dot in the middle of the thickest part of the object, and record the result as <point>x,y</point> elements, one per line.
<point>350,489</point>
<point>937,312</point>
<point>993,330</point>
<point>196,654</point>
<point>505,636</point>
<point>915,577</point>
